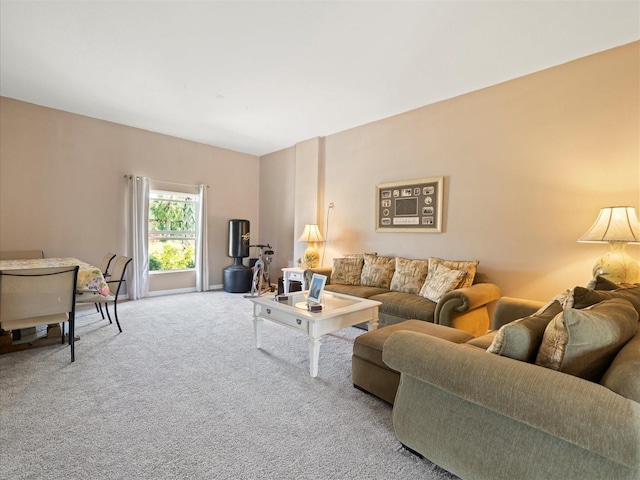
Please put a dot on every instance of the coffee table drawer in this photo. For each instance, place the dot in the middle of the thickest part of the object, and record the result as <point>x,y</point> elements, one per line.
<point>285,318</point>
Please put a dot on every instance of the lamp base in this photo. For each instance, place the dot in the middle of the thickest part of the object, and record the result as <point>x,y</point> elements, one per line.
<point>617,265</point>
<point>310,258</point>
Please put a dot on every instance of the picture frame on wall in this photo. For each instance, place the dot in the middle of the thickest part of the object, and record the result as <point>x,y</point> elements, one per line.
<point>410,206</point>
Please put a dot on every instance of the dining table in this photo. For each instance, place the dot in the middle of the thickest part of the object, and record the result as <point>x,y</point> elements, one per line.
<point>90,278</point>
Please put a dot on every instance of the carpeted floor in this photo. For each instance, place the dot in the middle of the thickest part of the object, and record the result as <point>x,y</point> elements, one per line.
<point>183,393</point>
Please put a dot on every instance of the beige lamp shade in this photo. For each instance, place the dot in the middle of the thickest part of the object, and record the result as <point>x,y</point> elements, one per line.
<point>311,235</point>
<point>616,226</point>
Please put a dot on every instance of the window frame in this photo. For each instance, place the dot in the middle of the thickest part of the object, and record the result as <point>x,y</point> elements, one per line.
<point>185,233</point>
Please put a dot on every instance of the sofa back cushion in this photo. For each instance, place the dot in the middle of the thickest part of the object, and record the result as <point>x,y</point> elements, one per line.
<point>409,275</point>
<point>469,266</point>
<point>584,342</point>
<point>623,376</point>
<point>521,338</point>
<point>581,297</point>
<point>377,271</point>
<point>347,271</point>
<point>439,281</point>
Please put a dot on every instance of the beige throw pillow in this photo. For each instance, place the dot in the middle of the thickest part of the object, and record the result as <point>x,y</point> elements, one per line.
<point>469,267</point>
<point>439,281</point>
<point>409,275</point>
<point>377,271</point>
<point>521,338</point>
<point>584,342</point>
<point>347,271</point>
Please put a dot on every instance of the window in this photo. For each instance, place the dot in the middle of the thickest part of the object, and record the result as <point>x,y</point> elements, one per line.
<point>172,230</point>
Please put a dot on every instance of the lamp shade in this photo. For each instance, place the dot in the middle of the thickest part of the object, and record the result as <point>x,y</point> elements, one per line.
<point>614,224</point>
<point>617,226</point>
<point>311,234</point>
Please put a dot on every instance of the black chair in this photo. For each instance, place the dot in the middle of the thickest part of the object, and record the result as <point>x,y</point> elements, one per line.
<point>115,281</point>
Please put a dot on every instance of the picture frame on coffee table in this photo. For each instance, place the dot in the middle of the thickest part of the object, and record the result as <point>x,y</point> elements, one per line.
<point>410,205</point>
<point>316,287</point>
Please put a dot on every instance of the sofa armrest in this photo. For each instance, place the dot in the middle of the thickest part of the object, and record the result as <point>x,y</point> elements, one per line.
<point>509,309</point>
<point>561,405</point>
<point>464,300</point>
<point>308,273</point>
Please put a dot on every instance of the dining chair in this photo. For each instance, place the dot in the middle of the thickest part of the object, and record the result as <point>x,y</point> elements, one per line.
<point>104,268</point>
<point>20,254</point>
<point>114,282</point>
<point>39,296</point>
<point>106,263</point>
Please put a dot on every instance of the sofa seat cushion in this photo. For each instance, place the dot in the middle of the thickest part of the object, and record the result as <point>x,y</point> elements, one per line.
<point>483,341</point>
<point>405,305</point>
<point>355,290</point>
<point>369,345</point>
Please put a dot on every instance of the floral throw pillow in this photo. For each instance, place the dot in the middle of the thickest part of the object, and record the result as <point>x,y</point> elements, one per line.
<point>347,271</point>
<point>409,275</point>
<point>469,266</point>
<point>377,271</point>
<point>439,281</point>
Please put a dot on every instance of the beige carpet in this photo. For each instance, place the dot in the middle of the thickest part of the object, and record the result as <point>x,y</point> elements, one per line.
<point>183,393</point>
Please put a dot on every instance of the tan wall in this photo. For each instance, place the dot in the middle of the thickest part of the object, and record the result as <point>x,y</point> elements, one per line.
<point>62,184</point>
<point>277,174</point>
<point>527,166</point>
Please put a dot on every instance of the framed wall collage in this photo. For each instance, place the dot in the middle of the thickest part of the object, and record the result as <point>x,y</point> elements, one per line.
<point>410,206</point>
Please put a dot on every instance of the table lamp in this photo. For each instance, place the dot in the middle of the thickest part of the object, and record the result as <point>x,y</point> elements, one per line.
<point>617,226</point>
<point>311,235</point>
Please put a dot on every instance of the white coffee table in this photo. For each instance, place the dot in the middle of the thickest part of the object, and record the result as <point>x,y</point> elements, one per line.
<point>339,311</point>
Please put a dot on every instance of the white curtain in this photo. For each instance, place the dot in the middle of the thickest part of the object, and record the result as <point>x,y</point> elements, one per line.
<point>202,244</point>
<point>137,233</point>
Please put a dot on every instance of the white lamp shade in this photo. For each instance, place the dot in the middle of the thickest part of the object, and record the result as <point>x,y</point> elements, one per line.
<point>311,234</point>
<point>617,226</point>
<point>614,224</point>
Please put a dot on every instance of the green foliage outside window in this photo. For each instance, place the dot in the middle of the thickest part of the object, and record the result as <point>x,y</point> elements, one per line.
<point>172,225</point>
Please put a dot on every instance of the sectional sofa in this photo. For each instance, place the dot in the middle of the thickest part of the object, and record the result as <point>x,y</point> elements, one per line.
<point>433,290</point>
<point>554,394</point>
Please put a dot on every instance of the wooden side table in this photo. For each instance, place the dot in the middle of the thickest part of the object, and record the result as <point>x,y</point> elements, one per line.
<point>292,273</point>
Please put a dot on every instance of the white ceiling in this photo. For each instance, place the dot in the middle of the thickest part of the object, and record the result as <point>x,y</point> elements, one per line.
<point>257,77</point>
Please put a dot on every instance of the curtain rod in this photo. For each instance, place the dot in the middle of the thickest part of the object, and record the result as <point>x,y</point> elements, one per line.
<point>170,183</point>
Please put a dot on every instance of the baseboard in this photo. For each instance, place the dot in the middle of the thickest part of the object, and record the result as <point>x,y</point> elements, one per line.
<point>160,293</point>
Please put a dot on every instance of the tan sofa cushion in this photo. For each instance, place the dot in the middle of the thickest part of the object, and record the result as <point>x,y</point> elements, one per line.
<point>469,266</point>
<point>369,345</point>
<point>584,342</point>
<point>623,376</point>
<point>521,338</point>
<point>377,271</point>
<point>409,275</point>
<point>347,271</point>
<point>441,280</point>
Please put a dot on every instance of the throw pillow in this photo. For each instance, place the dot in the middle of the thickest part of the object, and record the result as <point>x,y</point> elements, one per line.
<point>469,267</point>
<point>347,271</point>
<point>580,297</point>
<point>601,283</point>
<point>521,338</point>
<point>409,275</point>
<point>584,342</point>
<point>377,271</point>
<point>439,281</point>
